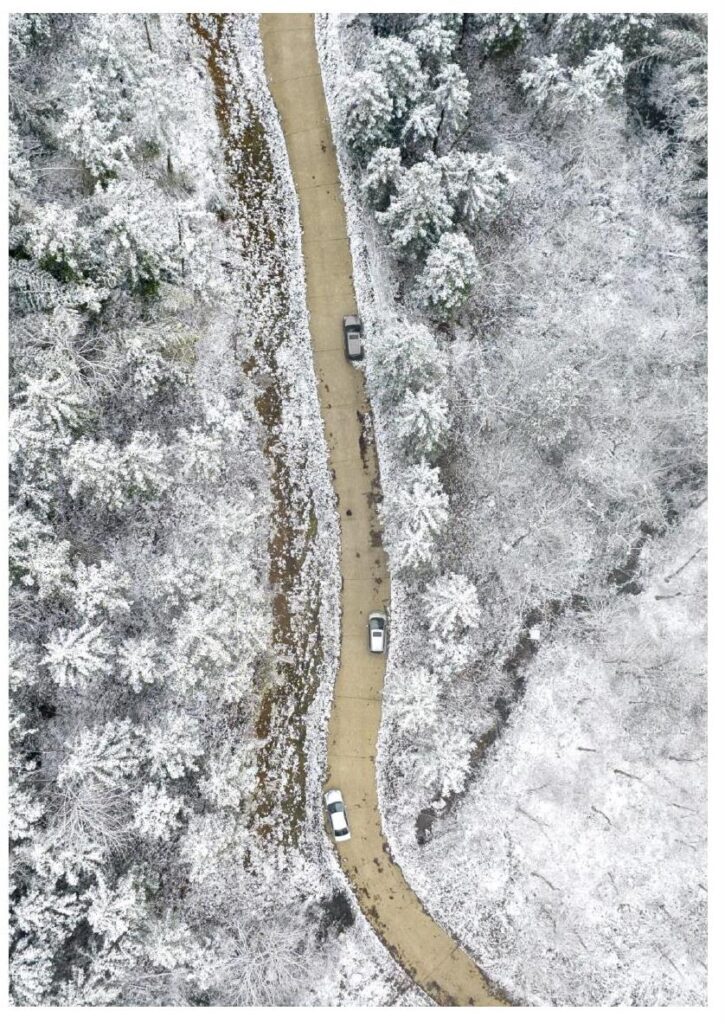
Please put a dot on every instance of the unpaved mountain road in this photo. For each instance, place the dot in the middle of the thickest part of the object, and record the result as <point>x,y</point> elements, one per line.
<point>427,952</point>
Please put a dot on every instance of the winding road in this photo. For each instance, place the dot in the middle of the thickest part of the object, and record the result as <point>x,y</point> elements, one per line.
<point>429,955</point>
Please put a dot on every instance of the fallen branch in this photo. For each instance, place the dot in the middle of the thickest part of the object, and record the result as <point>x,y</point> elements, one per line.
<point>605,816</point>
<point>537,875</point>
<point>683,566</point>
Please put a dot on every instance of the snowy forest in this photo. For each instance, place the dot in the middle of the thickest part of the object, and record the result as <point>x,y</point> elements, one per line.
<point>528,205</point>
<point>150,860</point>
<point>527,211</point>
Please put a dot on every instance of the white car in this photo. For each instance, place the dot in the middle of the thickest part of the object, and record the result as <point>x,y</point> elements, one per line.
<point>352,332</point>
<point>377,632</point>
<point>338,816</point>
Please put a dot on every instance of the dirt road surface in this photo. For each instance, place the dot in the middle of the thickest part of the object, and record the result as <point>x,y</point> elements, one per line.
<point>427,952</point>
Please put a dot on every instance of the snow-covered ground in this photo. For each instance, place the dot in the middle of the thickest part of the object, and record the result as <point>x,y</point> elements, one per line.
<point>545,795</point>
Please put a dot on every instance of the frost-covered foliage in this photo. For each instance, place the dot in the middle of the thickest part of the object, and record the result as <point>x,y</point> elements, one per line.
<point>404,109</point>
<point>561,90</point>
<point>141,626</point>
<point>572,383</point>
<point>450,273</point>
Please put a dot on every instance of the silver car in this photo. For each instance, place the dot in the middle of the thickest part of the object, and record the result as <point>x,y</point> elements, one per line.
<point>352,331</point>
<point>338,815</point>
<point>377,632</point>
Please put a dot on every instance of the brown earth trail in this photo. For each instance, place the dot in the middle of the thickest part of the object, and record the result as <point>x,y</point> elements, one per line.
<point>426,951</point>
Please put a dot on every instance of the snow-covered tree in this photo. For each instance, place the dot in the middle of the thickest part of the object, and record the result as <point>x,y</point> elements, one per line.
<point>421,128</point>
<point>443,761</point>
<point>139,662</point>
<point>397,63</point>
<point>579,34</point>
<point>367,112</point>
<point>102,590</point>
<point>600,77</point>
<point>562,91</point>
<point>93,782</point>
<point>407,357</point>
<point>173,746</point>
<point>157,814</point>
<point>103,755</point>
<point>116,907</point>
<point>38,560</point>
<point>78,658</point>
<point>414,515</point>
<point>422,422</point>
<point>477,184</point>
<point>435,37</point>
<point>450,273</point>
<point>382,176</point>
<point>116,476</point>
<point>499,34</point>
<point>452,98</point>
<point>59,241</point>
<point>231,776</point>
<point>419,212</point>
<point>451,604</point>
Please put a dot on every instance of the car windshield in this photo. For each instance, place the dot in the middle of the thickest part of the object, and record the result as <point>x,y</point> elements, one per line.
<point>377,624</point>
<point>340,831</point>
<point>336,808</point>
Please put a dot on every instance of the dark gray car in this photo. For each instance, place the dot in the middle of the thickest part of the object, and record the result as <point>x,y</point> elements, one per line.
<point>352,330</point>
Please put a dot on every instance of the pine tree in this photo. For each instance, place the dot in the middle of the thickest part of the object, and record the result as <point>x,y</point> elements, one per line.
<point>78,658</point>
<point>451,605</point>
<point>420,211</point>
<point>382,176</point>
<point>423,422</point>
<point>367,110</point>
<point>452,98</point>
<point>408,357</point>
<point>396,61</point>
<point>477,184</point>
<point>450,273</point>
<point>414,515</point>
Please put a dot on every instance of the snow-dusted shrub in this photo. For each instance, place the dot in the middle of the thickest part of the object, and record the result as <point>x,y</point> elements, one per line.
<point>450,273</point>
